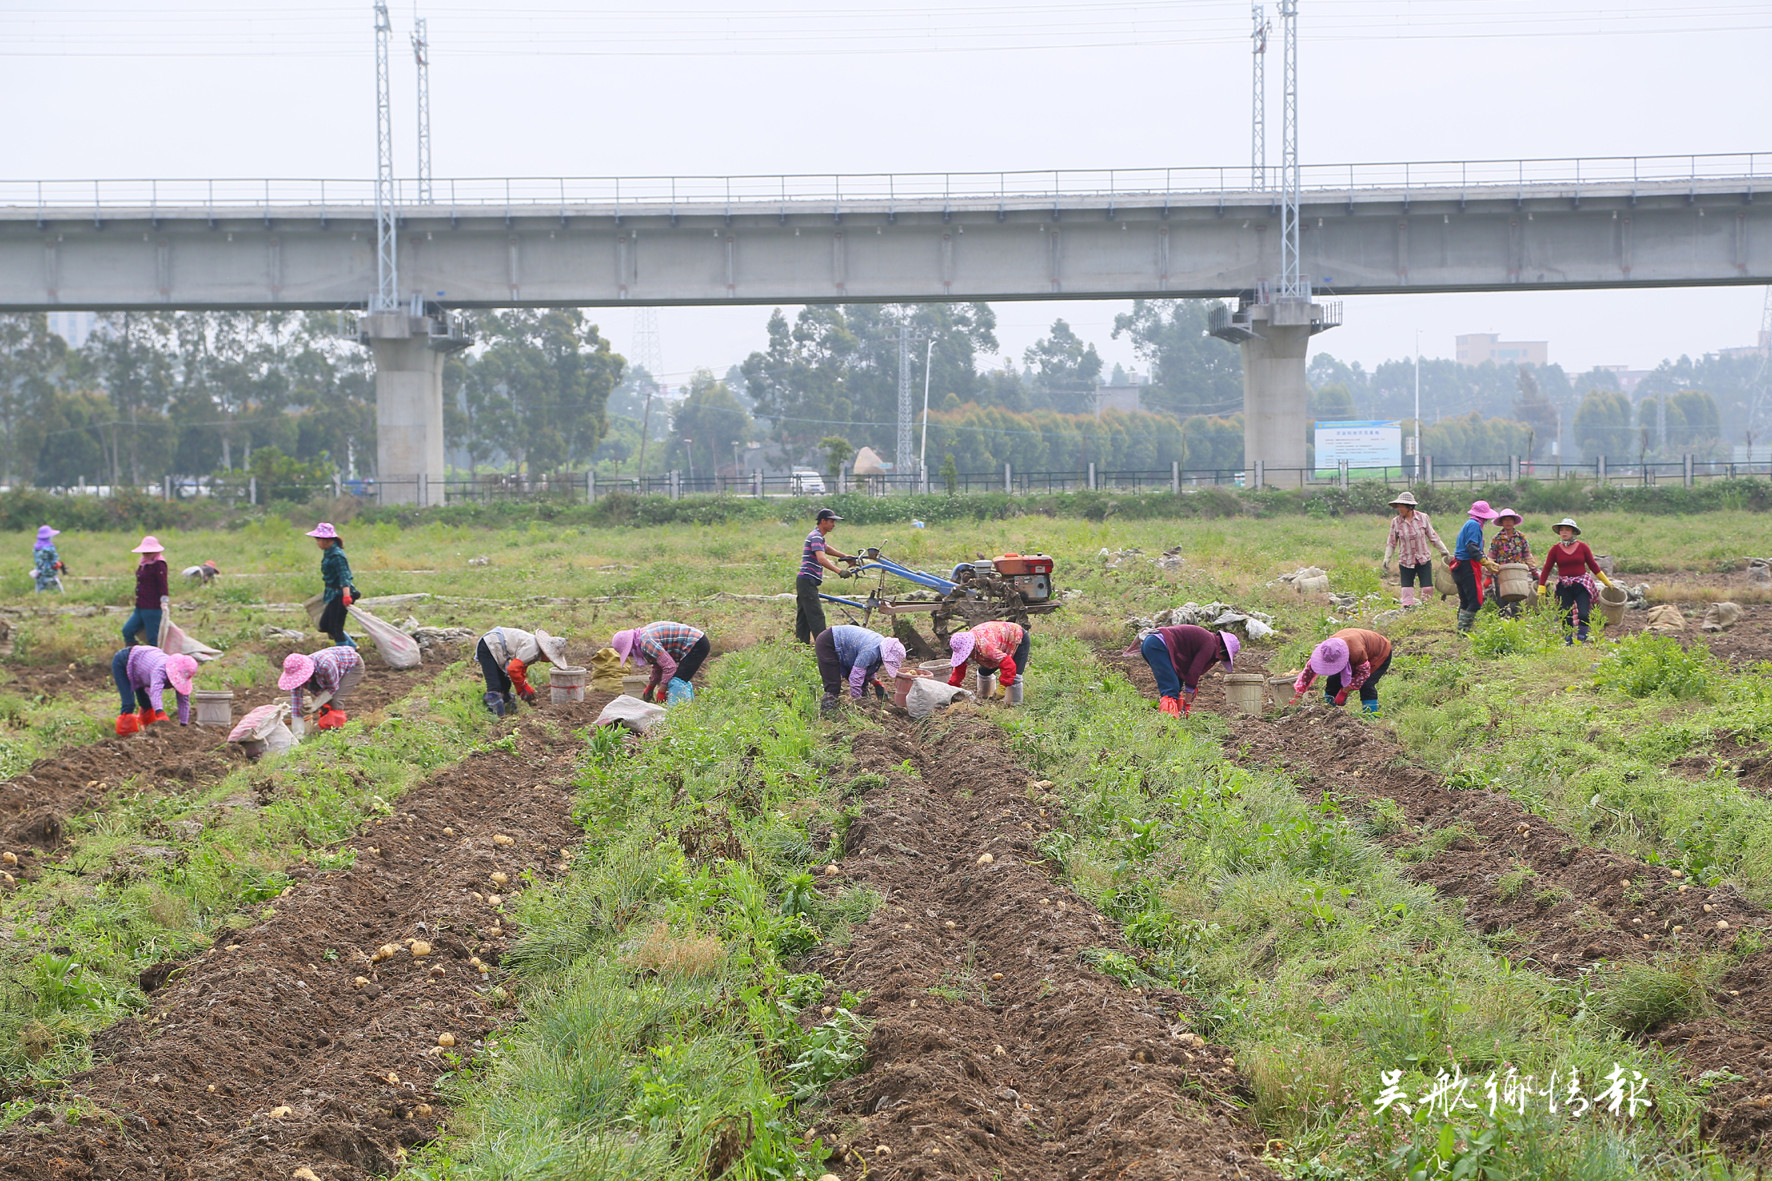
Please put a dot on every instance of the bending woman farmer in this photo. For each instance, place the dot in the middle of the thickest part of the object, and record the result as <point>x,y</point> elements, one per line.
<point>329,674</point>
<point>150,594</point>
<point>46,563</point>
<point>142,673</point>
<point>505,654</point>
<point>996,645</point>
<point>1351,659</point>
<point>1467,564</point>
<point>856,655</point>
<point>335,572</point>
<point>1179,656</point>
<point>674,650</point>
<point>1576,571</point>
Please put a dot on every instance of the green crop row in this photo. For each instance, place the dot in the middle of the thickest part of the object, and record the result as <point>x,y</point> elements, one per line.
<point>157,875</point>
<point>1309,952</point>
<point>664,1032</point>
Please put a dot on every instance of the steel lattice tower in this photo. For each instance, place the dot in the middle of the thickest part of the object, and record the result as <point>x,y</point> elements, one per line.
<point>387,271</point>
<point>901,456</point>
<point>1258,102</point>
<point>421,54</point>
<point>1291,285</point>
<point>648,348</point>
<point>1762,386</point>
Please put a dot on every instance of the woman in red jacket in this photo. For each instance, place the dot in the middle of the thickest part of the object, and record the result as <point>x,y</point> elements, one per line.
<point>1576,571</point>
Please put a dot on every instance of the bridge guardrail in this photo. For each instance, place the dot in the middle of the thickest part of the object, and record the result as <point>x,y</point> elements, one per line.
<point>835,192</point>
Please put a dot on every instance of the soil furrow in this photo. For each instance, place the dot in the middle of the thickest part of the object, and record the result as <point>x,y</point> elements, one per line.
<point>264,1056</point>
<point>35,805</point>
<point>997,1051</point>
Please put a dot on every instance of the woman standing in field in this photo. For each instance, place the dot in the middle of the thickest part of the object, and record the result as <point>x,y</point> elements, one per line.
<point>46,561</point>
<point>1179,656</point>
<point>1467,563</point>
<point>150,594</point>
<point>335,572</point>
<point>1507,546</point>
<point>1576,571</point>
<point>1351,660</point>
<point>1411,533</point>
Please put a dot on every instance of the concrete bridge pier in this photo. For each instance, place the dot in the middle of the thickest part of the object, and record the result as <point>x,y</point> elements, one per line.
<point>1274,338</point>
<point>408,407</point>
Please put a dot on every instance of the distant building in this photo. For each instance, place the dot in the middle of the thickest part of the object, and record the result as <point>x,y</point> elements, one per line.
<point>1628,378</point>
<point>1128,399</point>
<point>73,327</point>
<point>1479,347</point>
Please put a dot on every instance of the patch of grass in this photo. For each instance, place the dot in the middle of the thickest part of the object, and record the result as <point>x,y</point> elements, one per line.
<point>1385,816</point>
<point>1639,997</point>
<point>670,953</point>
<point>1438,841</point>
<point>1645,664</point>
<point>1512,883</point>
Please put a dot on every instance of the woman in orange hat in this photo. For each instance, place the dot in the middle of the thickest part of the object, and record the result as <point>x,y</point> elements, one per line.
<point>150,594</point>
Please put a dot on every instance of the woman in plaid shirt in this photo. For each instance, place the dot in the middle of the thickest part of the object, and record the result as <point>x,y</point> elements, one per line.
<point>1411,532</point>
<point>674,650</point>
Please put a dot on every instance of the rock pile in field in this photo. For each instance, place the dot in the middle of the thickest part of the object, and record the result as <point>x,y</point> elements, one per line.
<point>1306,580</point>
<point>1217,616</point>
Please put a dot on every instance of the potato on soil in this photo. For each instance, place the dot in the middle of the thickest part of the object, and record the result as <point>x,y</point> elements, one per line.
<point>304,1174</point>
<point>501,839</point>
<point>985,859</point>
<point>420,949</point>
<point>9,857</point>
<point>500,877</point>
<point>446,1040</point>
<point>281,1111</point>
<point>361,982</point>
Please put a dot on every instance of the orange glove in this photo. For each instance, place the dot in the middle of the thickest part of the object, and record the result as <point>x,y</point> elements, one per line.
<point>347,596</point>
<point>1006,672</point>
<point>128,724</point>
<point>1170,706</point>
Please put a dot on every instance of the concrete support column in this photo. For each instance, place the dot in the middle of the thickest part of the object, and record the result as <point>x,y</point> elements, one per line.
<point>1276,396</point>
<point>408,409</point>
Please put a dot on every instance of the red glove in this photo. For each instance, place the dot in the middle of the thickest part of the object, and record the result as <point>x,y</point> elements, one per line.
<point>647,693</point>
<point>330,719</point>
<point>957,676</point>
<point>1187,706</point>
<point>347,596</point>
<point>128,724</point>
<point>519,674</point>
<point>1006,672</point>
<point>1341,697</point>
<point>1170,706</point>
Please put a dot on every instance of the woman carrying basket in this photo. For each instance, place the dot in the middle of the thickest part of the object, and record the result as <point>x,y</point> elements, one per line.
<point>1411,534</point>
<point>1576,571</point>
<point>1507,547</point>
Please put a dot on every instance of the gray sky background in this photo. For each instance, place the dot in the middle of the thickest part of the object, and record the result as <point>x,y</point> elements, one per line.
<point>244,88</point>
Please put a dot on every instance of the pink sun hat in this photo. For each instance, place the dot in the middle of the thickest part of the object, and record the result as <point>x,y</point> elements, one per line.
<point>1480,511</point>
<point>1505,513</point>
<point>323,529</point>
<point>181,671</point>
<point>296,671</point>
<point>1231,646</point>
<point>891,656</point>
<point>961,645</point>
<point>150,545</point>
<point>1329,657</point>
<point>623,642</point>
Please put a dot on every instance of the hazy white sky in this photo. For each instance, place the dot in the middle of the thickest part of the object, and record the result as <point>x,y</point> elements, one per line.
<point>246,88</point>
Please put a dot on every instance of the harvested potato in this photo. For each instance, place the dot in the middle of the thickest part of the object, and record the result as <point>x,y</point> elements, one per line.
<point>500,877</point>
<point>423,1111</point>
<point>985,859</point>
<point>1721,925</point>
<point>446,1040</point>
<point>360,982</point>
<point>501,839</point>
<point>449,832</point>
<point>9,857</point>
<point>386,951</point>
<point>438,970</point>
<point>304,1174</point>
<point>495,899</point>
<point>831,870</point>
<point>420,949</point>
<point>281,1111</point>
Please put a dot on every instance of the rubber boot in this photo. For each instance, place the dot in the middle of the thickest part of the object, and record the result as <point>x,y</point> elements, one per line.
<point>827,705</point>
<point>1170,706</point>
<point>1369,707</point>
<point>1328,699</point>
<point>496,703</point>
<point>1581,632</point>
<point>1408,596</point>
<point>1465,620</point>
<point>128,724</point>
<point>510,710</point>
<point>145,716</point>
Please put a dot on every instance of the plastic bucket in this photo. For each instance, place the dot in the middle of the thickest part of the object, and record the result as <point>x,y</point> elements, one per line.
<point>1513,582</point>
<point>567,684</point>
<point>1245,691</point>
<point>634,686</point>
<point>902,682</point>
<point>1612,602</point>
<point>215,707</point>
<point>937,668</point>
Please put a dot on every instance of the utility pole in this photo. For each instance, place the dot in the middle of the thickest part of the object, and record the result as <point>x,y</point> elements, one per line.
<point>902,453</point>
<point>1418,403</point>
<point>1292,286</point>
<point>1762,383</point>
<point>387,274</point>
<point>1258,103</point>
<point>923,443</point>
<point>421,54</point>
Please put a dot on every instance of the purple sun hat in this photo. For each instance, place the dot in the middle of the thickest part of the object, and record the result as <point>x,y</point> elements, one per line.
<point>961,645</point>
<point>1231,645</point>
<point>891,656</point>
<point>623,642</point>
<point>1329,658</point>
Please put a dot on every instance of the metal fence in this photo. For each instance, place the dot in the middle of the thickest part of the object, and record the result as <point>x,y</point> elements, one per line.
<point>587,487</point>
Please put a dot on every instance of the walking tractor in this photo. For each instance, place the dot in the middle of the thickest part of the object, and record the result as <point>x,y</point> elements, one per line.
<point>1010,587</point>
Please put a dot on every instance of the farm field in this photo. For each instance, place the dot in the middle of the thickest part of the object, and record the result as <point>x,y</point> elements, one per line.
<point>1079,939</point>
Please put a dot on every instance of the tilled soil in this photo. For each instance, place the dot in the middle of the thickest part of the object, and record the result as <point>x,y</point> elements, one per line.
<point>35,806</point>
<point>1558,903</point>
<point>263,1056</point>
<point>34,682</point>
<point>996,1050</point>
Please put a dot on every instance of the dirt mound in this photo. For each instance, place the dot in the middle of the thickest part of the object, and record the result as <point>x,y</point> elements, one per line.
<point>1561,903</point>
<point>997,1051</point>
<point>263,1056</point>
<point>33,682</point>
<point>1747,641</point>
<point>35,805</point>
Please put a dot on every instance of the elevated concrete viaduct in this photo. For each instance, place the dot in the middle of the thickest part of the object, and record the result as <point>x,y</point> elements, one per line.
<point>170,249</point>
